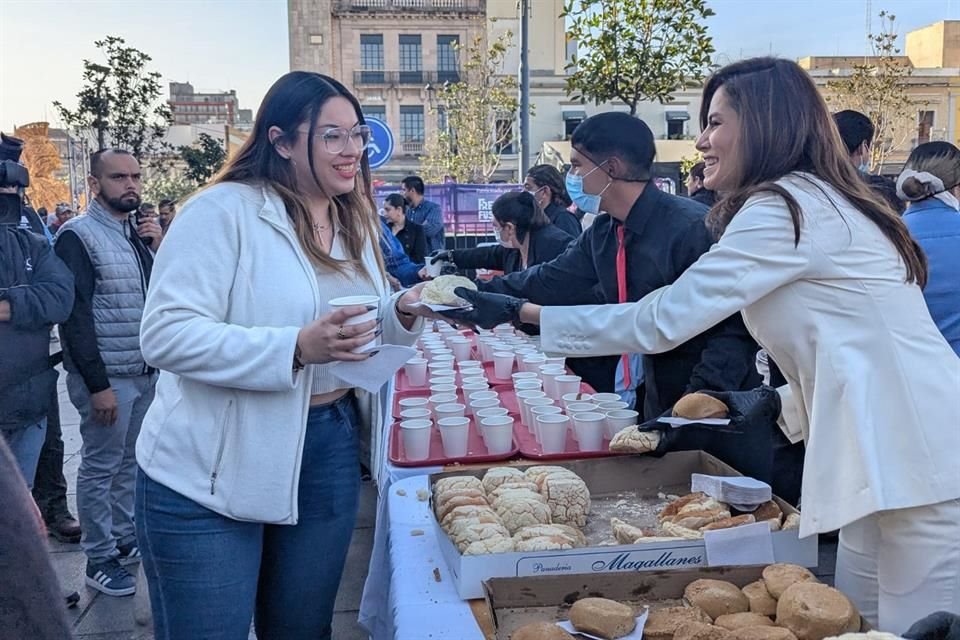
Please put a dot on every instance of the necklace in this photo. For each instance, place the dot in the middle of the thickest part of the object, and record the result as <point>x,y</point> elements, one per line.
<point>320,227</point>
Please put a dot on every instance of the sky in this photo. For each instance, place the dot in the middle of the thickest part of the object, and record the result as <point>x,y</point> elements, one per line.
<point>243,44</point>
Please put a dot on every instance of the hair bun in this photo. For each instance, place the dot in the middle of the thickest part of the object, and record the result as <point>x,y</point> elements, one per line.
<point>915,189</point>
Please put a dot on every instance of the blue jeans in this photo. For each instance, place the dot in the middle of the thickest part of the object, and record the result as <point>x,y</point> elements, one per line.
<point>26,442</point>
<point>209,574</point>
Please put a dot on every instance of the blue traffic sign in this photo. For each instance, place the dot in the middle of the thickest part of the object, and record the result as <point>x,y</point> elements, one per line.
<point>381,143</point>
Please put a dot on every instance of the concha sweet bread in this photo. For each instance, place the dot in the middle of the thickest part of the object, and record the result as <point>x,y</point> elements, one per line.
<point>716,597</point>
<point>441,289</point>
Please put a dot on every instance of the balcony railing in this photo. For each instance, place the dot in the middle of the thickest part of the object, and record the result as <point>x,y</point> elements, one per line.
<point>411,147</point>
<point>378,78</point>
<point>409,6</point>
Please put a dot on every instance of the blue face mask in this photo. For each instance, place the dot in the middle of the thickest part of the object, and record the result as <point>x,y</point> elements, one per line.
<point>586,202</point>
<point>864,167</point>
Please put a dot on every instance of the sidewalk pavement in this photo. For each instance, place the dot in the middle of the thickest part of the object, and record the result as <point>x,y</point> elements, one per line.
<point>101,617</point>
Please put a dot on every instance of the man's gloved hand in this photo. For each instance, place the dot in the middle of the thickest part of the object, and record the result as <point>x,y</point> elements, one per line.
<point>936,626</point>
<point>441,255</point>
<point>489,309</point>
<point>753,409</point>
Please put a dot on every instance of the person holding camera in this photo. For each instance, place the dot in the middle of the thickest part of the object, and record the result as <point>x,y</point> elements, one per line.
<point>36,292</point>
<point>110,252</point>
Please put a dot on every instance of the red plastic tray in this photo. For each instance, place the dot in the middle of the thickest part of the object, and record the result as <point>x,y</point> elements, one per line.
<point>530,449</point>
<point>476,450</point>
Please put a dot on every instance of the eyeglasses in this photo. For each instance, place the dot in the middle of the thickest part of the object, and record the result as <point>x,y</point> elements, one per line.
<point>335,138</point>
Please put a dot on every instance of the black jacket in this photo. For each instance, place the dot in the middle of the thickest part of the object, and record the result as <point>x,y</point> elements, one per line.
<point>413,239</point>
<point>546,243</point>
<point>39,289</point>
<point>563,219</point>
<point>705,196</point>
<point>665,234</point>
<point>886,188</point>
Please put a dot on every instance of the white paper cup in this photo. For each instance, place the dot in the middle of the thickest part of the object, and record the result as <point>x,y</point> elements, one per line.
<point>483,395</point>
<point>531,364</point>
<point>476,380</point>
<point>570,398</point>
<point>470,365</point>
<point>416,438</point>
<point>553,432</point>
<point>550,383</point>
<point>525,410</point>
<point>605,397</point>
<point>443,380</point>
<point>486,348</point>
<point>535,412</point>
<point>620,419</point>
<point>437,389</point>
<point>497,434</point>
<point>582,407</point>
<point>414,403</point>
<point>480,405</point>
<point>590,430</point>
<point>461,349</point>
<point>439,399</point>
<point>454,434</point>
<point>528,385</point>
<point>612,406</point>
<point>491,412</point>
<point>416,370</point>
<point>503,364</point>
<point>567,384</point>
<point>452,410</point>
<point>444,373</point>
<point>523,375</point>
<point>359,301</point>
<point>442,361</point>
<point>557,361</point>
<point>415,414</point>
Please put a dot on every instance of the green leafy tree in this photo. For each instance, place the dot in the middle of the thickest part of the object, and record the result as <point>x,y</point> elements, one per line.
<point>479,112</point>
<point>203,159</point>
<point>120,100</point>
<point>167,184</point>
<point>879,88</point>
<point>636,50</point>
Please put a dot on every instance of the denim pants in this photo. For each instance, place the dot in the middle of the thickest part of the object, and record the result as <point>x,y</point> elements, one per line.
<point>26,442</point>
<point>108,464</point>
<point>209,574</point>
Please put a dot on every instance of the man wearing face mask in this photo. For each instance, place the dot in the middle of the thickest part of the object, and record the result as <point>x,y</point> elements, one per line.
<point>645,241</point>
<point>857,132</point>
<point>108,380</point>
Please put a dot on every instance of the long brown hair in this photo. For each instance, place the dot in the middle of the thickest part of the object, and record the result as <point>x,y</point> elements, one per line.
<point>785,126</point>
<point>294,99</point>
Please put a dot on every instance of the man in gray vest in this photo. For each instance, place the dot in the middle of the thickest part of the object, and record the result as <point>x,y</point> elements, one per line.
<point>109,383</point>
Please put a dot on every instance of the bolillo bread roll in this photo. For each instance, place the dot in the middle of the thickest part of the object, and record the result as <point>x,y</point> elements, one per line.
<point>696,406</point>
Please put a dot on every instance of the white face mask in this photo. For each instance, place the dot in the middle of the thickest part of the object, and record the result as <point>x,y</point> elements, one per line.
<point>498,235</point>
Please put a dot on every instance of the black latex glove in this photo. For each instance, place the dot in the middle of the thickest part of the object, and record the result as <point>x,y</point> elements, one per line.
<point>489,309</point>
<point>441,255</point>
<point>748,410</point>
<point>936,626</point>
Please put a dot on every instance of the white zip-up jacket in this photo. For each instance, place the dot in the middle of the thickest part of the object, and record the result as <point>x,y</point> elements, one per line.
<point>230,291</point>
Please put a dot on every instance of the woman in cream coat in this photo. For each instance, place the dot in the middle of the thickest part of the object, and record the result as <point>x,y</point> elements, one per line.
<point>829,283</point>
<point>249,465</point>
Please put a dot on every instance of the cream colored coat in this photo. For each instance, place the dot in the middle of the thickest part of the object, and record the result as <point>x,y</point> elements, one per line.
<point>873,388</point>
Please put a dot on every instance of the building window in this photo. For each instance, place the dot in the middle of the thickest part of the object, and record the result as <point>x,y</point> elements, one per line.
<point>924,126</point>
<point>411,69</point>
<point>411,129</point>
<point>505,136</point>
<point>375,111</point>
<point>675,130</point>
<point>448,70</point>
<point>371,58</point>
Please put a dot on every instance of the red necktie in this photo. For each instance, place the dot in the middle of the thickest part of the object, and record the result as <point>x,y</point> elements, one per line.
<point>622,295</point>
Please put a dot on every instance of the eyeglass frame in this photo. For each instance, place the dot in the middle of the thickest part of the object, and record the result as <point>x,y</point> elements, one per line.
<point>355,130</point>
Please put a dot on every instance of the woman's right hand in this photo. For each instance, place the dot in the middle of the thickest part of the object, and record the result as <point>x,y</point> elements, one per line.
<point>328,338</point>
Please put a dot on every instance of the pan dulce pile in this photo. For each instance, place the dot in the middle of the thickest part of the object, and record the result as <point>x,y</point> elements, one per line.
<point>541,509</point>
<point>787,603</point>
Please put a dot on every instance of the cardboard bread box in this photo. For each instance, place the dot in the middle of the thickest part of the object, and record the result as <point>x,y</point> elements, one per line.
<point>646,475</point>
<point>514,602</point>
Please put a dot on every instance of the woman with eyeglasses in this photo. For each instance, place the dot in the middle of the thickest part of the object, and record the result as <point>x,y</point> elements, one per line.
<point>248,486</point>
<point>524,235</point>
<point>547,186</point>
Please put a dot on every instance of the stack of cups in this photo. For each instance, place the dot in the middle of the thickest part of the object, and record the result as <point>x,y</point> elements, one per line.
<point>416,372</point>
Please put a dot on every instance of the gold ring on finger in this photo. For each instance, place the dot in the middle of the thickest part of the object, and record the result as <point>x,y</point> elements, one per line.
<point>341,334</point>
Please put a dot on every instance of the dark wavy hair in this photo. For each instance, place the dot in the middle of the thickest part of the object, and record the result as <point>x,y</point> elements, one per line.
<point>941,159</point>
<point>297,98</point>
<point>520,208</point>
<point>785,126</point>
<point>545,175</point>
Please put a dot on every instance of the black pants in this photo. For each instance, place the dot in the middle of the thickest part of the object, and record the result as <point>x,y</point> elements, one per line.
<point>50,486</point>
